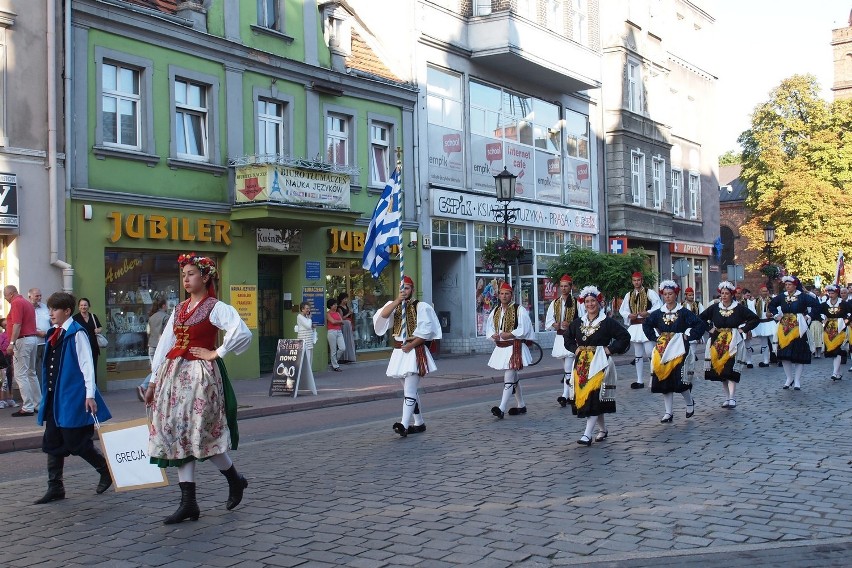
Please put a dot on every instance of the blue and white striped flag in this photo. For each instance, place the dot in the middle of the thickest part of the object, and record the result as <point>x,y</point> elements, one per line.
<point>384,230</point>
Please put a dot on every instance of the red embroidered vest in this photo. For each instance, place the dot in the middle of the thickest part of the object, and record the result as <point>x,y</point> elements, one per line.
<point>192,328</point>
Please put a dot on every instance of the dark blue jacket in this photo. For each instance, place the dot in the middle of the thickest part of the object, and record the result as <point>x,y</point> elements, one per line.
<point>69,402</point>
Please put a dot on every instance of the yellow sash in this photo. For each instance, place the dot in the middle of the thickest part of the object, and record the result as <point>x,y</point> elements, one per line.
<point>832,338</point>
<point>583,384</point>
<point>661,369</point>
<point>788,330</point>
<point>720,351</point>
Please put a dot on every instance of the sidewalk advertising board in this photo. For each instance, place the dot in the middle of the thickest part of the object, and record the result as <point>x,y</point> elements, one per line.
<point>287,367</point>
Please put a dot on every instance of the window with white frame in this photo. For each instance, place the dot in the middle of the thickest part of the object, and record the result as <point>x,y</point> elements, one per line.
<point>634,87</point>
<point>658,167</point>
<point>581,240</point>
<point>191,120</point>
<point>379,152</point>
<point>449,234</point>
<point>124,123</point>
<point>270,128</point>
<point>444,98</point>
<point>554,16</point>
<point>637,176</point>
<point>481,7</point>
<point>579,21</point>
<point>677,193</point>
<point>268,14</point>
<point>337,139</point>
<point>120,101</point>
<point>694,196</point>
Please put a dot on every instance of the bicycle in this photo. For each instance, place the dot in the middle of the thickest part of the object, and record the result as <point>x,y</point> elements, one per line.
<point>536,352</point>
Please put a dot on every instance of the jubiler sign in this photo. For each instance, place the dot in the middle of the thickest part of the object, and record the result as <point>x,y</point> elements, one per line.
<point>291,186</point>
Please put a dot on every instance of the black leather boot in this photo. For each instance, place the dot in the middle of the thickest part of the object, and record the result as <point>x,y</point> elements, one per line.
<point>188,508</point>
<point>98,461</point>
<point>55,487</point>
<point>236,485</point>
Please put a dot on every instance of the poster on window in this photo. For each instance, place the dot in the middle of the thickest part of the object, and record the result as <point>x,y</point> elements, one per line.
<point>487,286</point>
<point>578,181</point>
<point>520,161</point>
<point>486,155</point>
<point>446,156</point>
<point>548,177</point>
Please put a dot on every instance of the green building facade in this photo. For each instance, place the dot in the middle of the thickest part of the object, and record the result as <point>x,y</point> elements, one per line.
<point>235,133</point>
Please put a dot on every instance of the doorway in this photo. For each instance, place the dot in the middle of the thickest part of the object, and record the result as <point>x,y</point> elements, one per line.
<point>270,289</point>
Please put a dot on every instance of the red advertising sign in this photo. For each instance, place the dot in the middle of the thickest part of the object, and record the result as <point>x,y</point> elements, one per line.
<point>554,166</point>
<point>550,291</point>
<point>689,248</point>
<point>582,172</point>
<point>494,152</point>
<point>452,143</point>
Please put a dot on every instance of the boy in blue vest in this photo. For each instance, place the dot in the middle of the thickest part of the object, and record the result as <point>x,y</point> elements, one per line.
<point>70,399</point>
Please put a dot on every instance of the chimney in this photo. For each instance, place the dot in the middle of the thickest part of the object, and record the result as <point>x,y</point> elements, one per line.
<point>194,11</point>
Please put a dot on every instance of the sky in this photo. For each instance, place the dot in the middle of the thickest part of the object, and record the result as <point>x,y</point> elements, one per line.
<point>761,43</point>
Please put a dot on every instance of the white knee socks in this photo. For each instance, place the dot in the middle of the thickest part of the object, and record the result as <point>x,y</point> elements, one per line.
<point>788,371</point>
<point>410,400</point>
<point>668,399</point>
<point>509,378</point>
<point>186,472</point>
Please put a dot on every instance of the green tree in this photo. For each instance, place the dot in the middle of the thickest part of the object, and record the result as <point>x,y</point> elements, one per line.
<point>797,166</point>
<point>730,158</point>
<point>610,273</point>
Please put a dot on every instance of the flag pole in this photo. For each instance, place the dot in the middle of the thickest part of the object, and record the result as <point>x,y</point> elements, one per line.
<point>401,211</point>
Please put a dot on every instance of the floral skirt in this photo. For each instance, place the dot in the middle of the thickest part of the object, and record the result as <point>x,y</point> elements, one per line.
<point>189,413</point>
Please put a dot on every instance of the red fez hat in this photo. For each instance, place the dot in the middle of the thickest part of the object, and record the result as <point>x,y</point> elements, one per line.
<point>408,280</point>
<point>688,290</point>
<point>566,278</point>
<point>505,286</point>
<point>637,275</point>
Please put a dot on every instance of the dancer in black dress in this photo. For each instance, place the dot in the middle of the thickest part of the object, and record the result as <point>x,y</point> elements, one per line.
<point>729,323</point>
<point>672,327</point>
<point>593,339</point>
<point>793,310</point>
<point>835,319</point>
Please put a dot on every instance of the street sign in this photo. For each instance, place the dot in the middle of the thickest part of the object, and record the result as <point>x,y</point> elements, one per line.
<point>618,245</point>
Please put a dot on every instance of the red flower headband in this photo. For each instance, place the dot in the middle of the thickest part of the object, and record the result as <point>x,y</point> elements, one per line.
<point>205,264</point>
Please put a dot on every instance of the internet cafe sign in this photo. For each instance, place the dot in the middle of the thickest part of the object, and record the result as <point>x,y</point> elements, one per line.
<point>266,183</point>
<point>472,207</point>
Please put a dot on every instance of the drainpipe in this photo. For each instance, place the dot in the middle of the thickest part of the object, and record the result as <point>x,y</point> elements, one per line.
<point>52,173</point>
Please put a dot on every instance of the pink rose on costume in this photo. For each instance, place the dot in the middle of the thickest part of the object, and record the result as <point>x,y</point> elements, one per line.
<point>198,406</point>
<point>216,431</point>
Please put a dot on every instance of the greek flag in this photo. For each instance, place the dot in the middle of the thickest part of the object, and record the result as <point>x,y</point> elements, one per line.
<point>384,228</point>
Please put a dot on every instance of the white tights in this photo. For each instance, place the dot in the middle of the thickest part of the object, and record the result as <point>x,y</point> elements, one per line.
<point>510,379</point>
<point>668,400</point>
<point>186,472</point>
<point>591,422</point>
<point>793,372</point>
<point>568,365</point>
<point>730,388</point>
<point>411,401</point>
<point>641,351</point>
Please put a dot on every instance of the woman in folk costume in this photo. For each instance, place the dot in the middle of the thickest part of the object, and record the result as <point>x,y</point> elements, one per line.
<point>593,339</point>
<point>561,312</point>
<point>835,319</point>
<point>635,307</point>
<point>509,326</point>
<point>414,323</point>
<point>194,408</point>
<point>815,327</point>
<point>793,310</point>
<point>729,323</point>
<point>672,327</point>
<point>696,307</point>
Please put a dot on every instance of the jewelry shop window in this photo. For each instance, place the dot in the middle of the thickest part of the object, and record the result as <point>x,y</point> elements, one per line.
<point>135,282</point>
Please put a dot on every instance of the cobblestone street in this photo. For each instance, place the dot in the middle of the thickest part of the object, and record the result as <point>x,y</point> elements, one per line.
<point>764,484</point>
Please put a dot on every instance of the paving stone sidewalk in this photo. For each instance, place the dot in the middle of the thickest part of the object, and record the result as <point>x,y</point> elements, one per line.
<point>765,484</point>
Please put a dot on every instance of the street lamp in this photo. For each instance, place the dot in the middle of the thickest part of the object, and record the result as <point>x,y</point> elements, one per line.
<point>768,239</point>
<point>505,186</point>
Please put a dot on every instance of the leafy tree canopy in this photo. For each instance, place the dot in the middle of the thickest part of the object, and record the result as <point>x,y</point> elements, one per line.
<point>610,273</point>
<point>730,158</point>
<point>797,166</point>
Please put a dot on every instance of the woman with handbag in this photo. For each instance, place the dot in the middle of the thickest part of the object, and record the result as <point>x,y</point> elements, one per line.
<point>194,409</point>
<point>92,325</point>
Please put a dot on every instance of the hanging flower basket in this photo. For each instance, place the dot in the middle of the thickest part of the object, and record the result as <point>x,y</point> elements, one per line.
<point>772,271</point>
<point>497,252</point>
